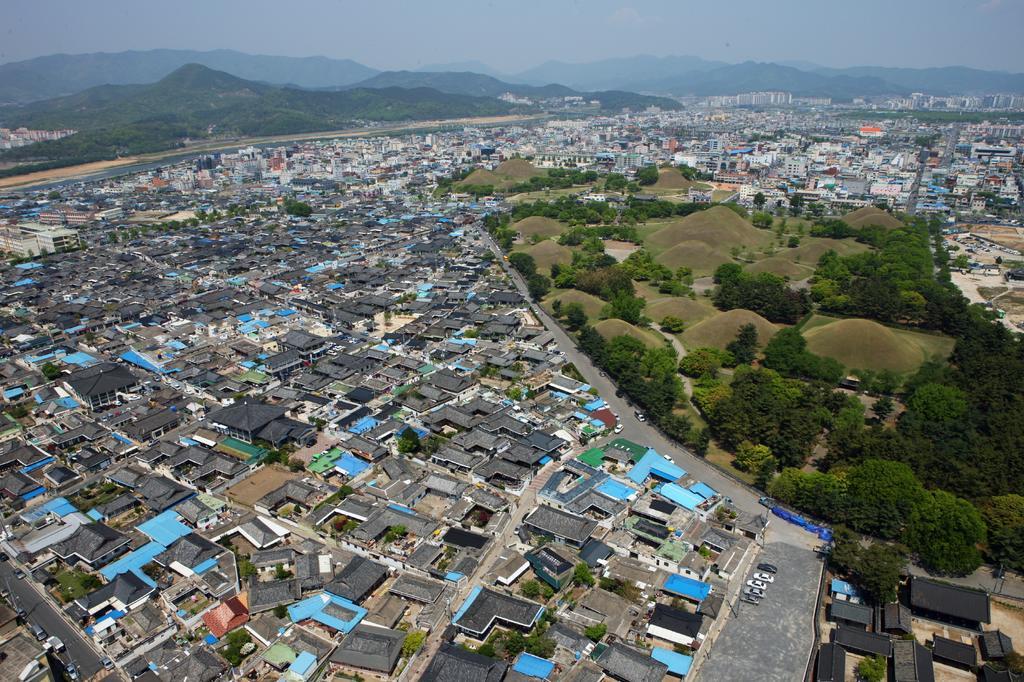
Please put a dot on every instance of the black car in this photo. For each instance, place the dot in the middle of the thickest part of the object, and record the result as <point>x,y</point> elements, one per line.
<point>768,568</point>
<point>3,556</point>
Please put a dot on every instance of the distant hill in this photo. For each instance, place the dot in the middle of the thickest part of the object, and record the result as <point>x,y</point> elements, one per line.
<point>946,80</point>
<point>480,85</point>
<point>756,76</point>
<point>616,73</point>
<point>872,215</point>
<point>196,102</point>
<point>65,74</point>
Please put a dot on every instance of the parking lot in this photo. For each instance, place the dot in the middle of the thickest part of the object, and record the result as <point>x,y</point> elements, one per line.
<point>771,640</point>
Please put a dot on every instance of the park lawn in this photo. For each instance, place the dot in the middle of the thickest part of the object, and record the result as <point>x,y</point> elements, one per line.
<point>723,460</point>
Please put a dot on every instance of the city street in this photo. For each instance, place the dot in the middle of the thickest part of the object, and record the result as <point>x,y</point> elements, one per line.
<point>40,611</point>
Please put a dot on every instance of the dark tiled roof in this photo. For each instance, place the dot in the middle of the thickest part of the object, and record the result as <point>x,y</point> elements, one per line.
<point>452,663</point>
<point>949,600</point>
<point>370,648</point>
<point>631,665</point>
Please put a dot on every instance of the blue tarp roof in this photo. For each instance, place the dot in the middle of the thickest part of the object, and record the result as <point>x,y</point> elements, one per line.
<point>594,405</point>
<point>313,608</point>
<point>615,490</point>
<point>680,495</point>
<point>703,489</point>
<point>350,464</point>
<point>363,425</point>
<point>140,360</point>
<point>134,561</point>
<point>687,587</point>
<point>58,505</point>
<point>165,528</point>
<point>653,464</point>
<point>533,666</point>
<point>302,663</point>
<point>205,566</point>
<point>678,664</point>
<point>80,358</point>
<point>843,587</point>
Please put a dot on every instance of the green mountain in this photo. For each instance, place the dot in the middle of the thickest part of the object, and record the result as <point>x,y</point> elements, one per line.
<point>63,74</point>
<point>196,102</point>
<point>469,83</point>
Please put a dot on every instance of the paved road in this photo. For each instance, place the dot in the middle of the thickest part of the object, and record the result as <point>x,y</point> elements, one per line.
<point>27,594</point>
<point>643,433</point>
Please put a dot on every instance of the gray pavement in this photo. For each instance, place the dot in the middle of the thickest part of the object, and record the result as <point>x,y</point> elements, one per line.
<point>771,640</point>
<point>26,594</point>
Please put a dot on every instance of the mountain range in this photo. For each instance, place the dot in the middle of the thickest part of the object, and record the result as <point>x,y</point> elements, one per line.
<point>63,74</point>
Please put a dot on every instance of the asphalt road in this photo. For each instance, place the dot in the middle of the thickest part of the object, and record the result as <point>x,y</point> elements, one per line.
<point>643,433</point>
<point>40,611</point>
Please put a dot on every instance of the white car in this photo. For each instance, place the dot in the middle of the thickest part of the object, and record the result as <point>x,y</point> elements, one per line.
<point>618,428</point>
<point>758,584</point>
<point>754,592</point>
<point>764,577</point>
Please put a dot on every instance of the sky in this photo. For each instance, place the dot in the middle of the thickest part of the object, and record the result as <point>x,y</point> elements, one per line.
<point>512,36</point>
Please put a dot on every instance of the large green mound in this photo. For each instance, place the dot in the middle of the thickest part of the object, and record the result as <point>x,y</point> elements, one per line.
<point>547,253</point>
<point>866,344</point>
<point>811,249</point>
<point>671,178</point>
<point>783,267</point>
<point>518,169</point>
<point>701,257</point>
<point>537,225</point>
<point>482,176</point>
<point>718,227</point>
<point>870,215</point>
<point>592,305</point>
<point>720,330</point>
<point>609,329</point>
<point>690,310</point>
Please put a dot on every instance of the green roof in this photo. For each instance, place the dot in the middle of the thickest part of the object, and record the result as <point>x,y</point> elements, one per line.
<point>324,461</point>
<point>592,457</point>
<point>239,448</point>
<point>672,550</point>
<point>253,377</point>
<point>635,450</point>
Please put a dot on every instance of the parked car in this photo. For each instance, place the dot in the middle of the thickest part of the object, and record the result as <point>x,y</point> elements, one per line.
<point>19,574</point>
<point>754,592</point>
<point>751,599</point>
<point>768,568</point>
<point>38,632</point>
<point>618,428</point>
<point>766,502</point>
<point>764,577</point>
<point>758,584</point>
<point>55,644</point>
<point>640,416</point>
<point>71,671</point>
<point>107,663</point>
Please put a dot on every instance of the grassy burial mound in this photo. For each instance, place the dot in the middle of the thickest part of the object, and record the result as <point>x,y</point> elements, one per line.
<point>870,215</point>
<point>704,240</point>
<point>547,253</point>
<point>505,175</point>
<point>866,344</point>
<point>783,267</point>
<point>592,305</point>
<point>517,169</point>
<point>719,330</point>
<point>537,225</point>
<point>609,329</point>
<point>811,249</point>
<point>671,178</point>
<point>689,310</point>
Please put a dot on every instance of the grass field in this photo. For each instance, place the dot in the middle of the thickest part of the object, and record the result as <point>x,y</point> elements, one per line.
<point>537,225</point>
<point>592,305</point>
<point>609,329</point>
<point>865,344</point>
<point>869,215</point>
<point>547,253</point>
<point>720,329</point>
<point>783,267</point>
<point>690,310</point>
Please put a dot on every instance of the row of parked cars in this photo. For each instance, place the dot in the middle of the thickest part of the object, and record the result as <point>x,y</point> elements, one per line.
<point>757,585</point>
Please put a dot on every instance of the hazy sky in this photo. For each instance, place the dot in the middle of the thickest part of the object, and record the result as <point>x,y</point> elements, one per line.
<point>513,35</point>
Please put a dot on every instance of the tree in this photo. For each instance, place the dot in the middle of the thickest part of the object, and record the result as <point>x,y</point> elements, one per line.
<point>883,407</point>
<point>744,347</point>
<point>596,632</point>
<point>961,262</point>
<point>796,203</point>
<point>50,371</point>
<point>281,611</point>
<point>762,219</point>
<point>581,575</point>
<point>413,642</point>
<point>538,286</point>
<point>530,589</point>
<point>523,263</point>
<point>281,573</point>
<point>575,316</point>
<point>704,362</point>
<point>879,572</point>
<point>409,441</point>
<point>872,669</point>
<point>394,533</point>
<point>1004,517</point>
<point>673,324</point>
<point>648,175</point>
<point>297,208</point>
<point>881,496</point>
<point>945,531</point>
<point>246,569</point>
<point>759,200</point>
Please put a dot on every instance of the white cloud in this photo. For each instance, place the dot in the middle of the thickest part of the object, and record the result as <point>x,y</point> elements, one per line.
<point>629,16</point>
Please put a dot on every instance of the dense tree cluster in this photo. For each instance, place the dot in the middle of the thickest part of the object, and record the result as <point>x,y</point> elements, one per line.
<point>764,293</point>
<point>556,178</point>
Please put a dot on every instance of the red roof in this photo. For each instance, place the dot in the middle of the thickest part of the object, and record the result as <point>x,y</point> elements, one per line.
<point>605,415</point>
<point>229,615</point>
